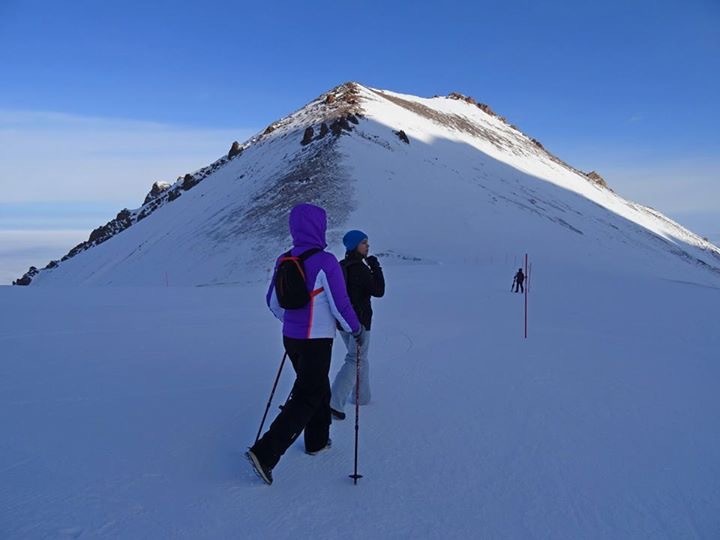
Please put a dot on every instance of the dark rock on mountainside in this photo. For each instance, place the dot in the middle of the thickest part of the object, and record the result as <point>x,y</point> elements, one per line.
<point>402,136</point>
<point>235,150</point>
<point>596,178</point>
<point>155,191</point>
<point>339,125</point>
<point>27,278</point>
<point>307,136</point>
<point>189,181</point>
<point>467,99</point>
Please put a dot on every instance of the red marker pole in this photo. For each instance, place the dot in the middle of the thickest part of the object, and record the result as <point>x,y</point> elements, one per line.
<point>527,284</point>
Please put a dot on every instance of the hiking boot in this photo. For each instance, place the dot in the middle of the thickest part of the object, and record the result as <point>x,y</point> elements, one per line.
<point>337,415</point>
<point>265,473</point>
<point>316,452</point>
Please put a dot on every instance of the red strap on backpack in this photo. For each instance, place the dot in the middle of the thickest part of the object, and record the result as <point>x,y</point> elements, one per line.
<point>296,261</point>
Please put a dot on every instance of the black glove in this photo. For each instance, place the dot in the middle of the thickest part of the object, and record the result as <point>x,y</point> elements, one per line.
<point>372,261</point>
<point>359,335</point>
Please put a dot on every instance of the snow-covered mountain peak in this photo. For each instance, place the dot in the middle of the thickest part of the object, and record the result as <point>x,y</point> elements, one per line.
<point>425,175</point>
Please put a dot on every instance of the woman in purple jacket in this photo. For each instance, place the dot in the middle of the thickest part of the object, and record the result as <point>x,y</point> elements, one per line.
<point>308,335</point>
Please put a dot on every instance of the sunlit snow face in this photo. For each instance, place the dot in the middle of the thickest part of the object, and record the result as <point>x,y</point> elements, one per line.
<point>363,248</point>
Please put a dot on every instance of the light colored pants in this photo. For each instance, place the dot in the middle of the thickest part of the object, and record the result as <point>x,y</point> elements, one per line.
<point>343,389</point>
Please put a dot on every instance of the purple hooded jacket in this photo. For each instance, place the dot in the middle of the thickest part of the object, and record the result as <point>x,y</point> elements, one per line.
<point>329,300</point>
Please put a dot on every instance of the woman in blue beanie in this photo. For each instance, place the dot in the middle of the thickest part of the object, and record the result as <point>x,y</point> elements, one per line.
<point>364,279</point>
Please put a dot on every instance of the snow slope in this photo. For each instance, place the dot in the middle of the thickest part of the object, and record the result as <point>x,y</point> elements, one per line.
<point>465,187</point>
<point>125,413</point>
<point>125,410</point>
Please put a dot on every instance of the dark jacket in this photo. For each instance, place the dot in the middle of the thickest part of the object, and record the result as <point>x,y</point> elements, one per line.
<point>363,282</point>
<point>520,277</point>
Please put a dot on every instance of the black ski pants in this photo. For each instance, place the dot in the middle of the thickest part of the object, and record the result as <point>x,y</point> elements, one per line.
<point>309,406</point>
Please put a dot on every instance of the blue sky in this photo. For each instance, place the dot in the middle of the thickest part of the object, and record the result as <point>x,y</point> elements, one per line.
<point>99,99</point>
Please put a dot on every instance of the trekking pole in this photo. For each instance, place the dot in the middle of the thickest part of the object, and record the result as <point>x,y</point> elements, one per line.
<point>272,393</point>
<point>355,476</point>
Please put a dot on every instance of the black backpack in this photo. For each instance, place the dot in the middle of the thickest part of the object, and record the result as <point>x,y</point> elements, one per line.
<point>290,285</point>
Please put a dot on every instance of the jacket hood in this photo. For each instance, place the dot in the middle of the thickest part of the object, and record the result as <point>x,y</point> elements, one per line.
<point>308,224</point>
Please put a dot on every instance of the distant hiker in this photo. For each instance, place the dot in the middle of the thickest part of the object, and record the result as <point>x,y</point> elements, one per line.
<point>364,279</point>
<point>518,281</point>
<point>308,333</point>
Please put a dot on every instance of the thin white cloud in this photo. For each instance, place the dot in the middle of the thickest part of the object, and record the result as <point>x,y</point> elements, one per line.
<point>673,182</point>
<point>685,189</point>
<point>49,156</point>
<point>677,186</point>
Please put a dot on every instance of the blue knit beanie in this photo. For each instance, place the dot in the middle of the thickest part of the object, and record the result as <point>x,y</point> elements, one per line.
<point>352,239</point>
